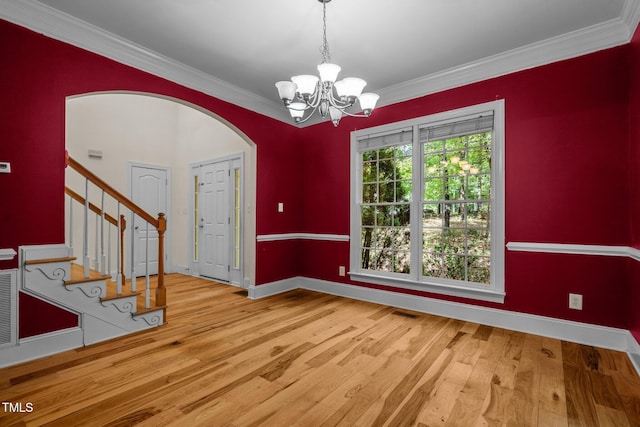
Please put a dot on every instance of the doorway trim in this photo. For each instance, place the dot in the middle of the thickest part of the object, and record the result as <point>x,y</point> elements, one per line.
<point>236,274</point>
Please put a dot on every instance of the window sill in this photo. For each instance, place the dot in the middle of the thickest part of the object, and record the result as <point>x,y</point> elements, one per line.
<point>488,295</point>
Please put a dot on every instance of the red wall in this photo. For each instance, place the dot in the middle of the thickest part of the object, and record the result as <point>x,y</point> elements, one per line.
<point>566,182</point>
<point>38,317</point>
<point>36,76</point>
<point>634,166</point>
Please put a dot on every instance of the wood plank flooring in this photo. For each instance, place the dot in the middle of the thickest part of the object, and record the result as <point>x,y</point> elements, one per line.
<point>308,359</point>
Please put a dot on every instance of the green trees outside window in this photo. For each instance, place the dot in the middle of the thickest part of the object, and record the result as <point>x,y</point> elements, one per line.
<point>386,192</point>
<point>455,205</point>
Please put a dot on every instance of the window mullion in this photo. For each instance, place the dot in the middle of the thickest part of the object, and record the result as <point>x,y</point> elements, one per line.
<point>416,204</point>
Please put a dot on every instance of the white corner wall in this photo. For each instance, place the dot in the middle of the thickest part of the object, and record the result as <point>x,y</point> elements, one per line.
<point>139,128</point>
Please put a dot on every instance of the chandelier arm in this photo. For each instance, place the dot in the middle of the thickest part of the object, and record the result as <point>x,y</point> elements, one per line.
<point>340,105</point>
<point>314,100</point>
<point>354,115</point>
<point>309,116</point>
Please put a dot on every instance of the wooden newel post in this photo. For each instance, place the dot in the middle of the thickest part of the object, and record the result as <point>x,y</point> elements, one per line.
<point>161,291</point>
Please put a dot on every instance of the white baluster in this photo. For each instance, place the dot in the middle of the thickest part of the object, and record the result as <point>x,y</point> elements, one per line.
<point>103,258</point>
<point>133,252</point>
<point>118,255</point>
<point>71,224</point>
<point>85,243</point>
<point>147,296</point>
<point>95,246</point>
<point>109,232</point>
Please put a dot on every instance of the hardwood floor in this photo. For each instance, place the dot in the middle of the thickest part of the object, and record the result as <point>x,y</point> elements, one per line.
<point>308,359</point>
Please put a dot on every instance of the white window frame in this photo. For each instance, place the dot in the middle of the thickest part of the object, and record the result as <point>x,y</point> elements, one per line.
<point>495,291</point>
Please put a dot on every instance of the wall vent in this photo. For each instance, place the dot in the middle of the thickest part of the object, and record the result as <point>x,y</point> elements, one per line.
<point>8,309</point>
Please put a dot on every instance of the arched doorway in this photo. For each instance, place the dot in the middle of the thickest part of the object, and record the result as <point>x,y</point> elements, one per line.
<point>114,133</point>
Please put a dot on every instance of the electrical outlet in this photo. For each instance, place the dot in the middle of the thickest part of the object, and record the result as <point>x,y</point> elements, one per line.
<point>575,301</point>
<point>342,271</point>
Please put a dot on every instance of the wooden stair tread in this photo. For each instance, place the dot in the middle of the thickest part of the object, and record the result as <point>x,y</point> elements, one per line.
<point>141,309</point>
<point>77,276</point>
<point>111,294</point>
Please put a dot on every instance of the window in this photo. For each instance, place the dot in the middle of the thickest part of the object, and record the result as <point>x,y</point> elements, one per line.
<point>386,203</point>
<point>427,203</point>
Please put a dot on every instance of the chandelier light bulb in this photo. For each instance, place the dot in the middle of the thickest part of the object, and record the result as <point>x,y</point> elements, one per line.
<point>296,109</point>
<point>306,84</point>
<point>353,86</point>
<point>286,90</point>
<point>328,72</point>
<point>368,102</point>
<point>335,115</point>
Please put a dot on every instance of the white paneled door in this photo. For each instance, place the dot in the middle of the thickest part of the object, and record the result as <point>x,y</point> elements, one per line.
<point>214,248</point>
<point>215,220</point>
<point>149,188</point>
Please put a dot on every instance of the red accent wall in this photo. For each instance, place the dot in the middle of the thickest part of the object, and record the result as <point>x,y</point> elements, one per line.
<point>566,182</point>
<point>36,76</point>
<point>634,166</point>
<point>49,317</point>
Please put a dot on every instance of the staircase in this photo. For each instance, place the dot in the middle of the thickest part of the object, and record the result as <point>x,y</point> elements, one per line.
<point>108,301</point>
<point>50,274</point>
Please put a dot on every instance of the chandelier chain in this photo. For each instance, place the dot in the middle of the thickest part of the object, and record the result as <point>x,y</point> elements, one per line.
<point>326,55</point>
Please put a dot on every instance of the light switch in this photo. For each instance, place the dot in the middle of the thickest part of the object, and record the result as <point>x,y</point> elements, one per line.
<point>280,207</point>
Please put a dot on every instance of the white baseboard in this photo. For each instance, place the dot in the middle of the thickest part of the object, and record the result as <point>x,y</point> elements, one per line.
<point>581,333</point>
<point>182,269</point>
<point>634,352</point>
<point>274,288</point>
<point>41,345</point>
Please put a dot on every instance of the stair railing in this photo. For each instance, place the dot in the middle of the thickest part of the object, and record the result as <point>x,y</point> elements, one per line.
<point>102,250</point>
<point>104,261</point>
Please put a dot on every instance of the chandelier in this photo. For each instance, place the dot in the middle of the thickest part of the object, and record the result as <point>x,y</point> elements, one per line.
<point>306,94</point>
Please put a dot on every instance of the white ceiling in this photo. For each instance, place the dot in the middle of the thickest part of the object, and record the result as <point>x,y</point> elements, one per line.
<point>238,49</point>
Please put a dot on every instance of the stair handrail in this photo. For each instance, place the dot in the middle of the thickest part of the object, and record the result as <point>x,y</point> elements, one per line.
<point>159,223</point>
<point>78,198</point>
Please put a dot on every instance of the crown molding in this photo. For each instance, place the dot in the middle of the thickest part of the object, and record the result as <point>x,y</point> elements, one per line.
<point>570,45</point>
<point>60,26</point>
<point>631,17</point>
<point>63,27</point>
